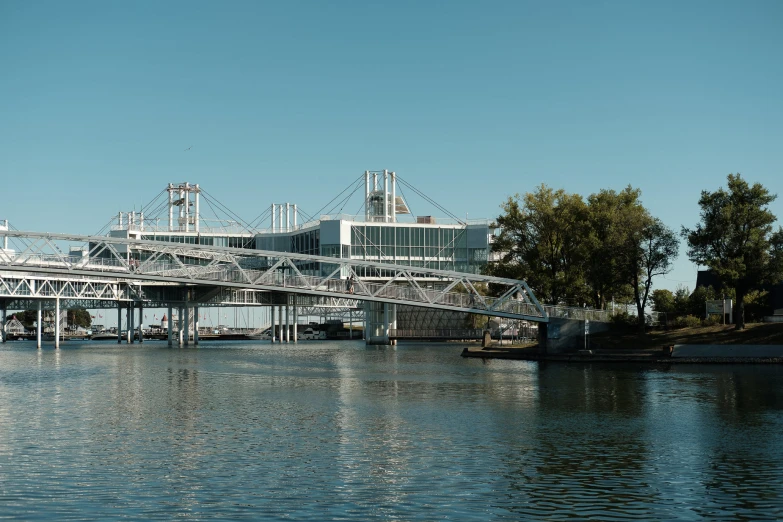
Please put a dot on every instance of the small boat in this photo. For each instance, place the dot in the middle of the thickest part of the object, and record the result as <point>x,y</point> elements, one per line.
<point>103,335</point>
<point>312,335</point>
<point>262,336</point>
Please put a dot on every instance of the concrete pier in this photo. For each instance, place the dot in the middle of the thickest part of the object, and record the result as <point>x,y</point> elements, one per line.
<point>38,325</point>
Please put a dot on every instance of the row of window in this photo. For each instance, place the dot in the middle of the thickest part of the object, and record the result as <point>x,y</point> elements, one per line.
<point>408,236</point>
<point>304,243</point>
<point>406,252</point>
<point>438,265</point>
<point>218,241</point>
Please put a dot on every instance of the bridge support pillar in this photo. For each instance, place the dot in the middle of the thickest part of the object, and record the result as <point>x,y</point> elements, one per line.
<point>287,319</point>
<point>186,327</point>
<point>486,340</point>
<point>385,325</point>
<point>169,326</point>
<point>180,334</point>
<point>57,323</point>
<point>379,319</point>
<point>562,335</point>
<point>4,314</point>
<point>274,325</point>
<point>131,323</point>
<point>141,323</point>
<point>366,332</point>
<point>119,322</point>
<point>195,325</point>
<point>38,326</point>
<point>393,322</point>
<point>296,321</point>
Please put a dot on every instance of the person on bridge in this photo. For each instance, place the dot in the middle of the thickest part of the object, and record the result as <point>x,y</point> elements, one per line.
<point>349,284</point>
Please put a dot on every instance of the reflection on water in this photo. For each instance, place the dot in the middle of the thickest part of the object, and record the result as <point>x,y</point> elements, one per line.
<point>340,431</point>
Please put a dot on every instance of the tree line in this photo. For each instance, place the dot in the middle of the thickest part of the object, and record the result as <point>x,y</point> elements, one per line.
<point>589,251</point>
<point>77,316</point>
<point>684,308</point>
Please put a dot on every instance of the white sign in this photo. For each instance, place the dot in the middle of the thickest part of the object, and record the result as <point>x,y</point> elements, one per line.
<point>587,326</point>
<point>719,306</point>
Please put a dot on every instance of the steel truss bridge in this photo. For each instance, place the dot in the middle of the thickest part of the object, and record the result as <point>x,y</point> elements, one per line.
<point>48,270</point>
<point>106,270</point>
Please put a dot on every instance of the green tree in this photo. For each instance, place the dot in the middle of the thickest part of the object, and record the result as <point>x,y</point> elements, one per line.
<point>657,248</point>
<point>79,317</point>
<point>26,317</point>
<point>663,301</point>
<point>697,302</point>
<point>542,240</point>
<point>681,301</point>
<point>76,316</point>
<point>607,268</point>
<point>735,239</point>
<point>758,303</point>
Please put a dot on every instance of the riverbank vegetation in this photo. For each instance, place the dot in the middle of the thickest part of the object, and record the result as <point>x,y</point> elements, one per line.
<point>608,247</point>
<point>574,251</point>
<point>735,239</point>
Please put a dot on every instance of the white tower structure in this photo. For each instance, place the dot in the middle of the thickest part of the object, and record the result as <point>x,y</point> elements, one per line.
<point>184,196</point>
<point>381,202</point>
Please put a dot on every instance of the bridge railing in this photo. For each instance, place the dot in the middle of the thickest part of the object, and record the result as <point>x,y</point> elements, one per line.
<point>456,333</point>
<point>436,333</point>
<point>406,293</point>
<point>55,261</point>
<point>579,314</point>
<point>281,279</point>
<point>233,274</point>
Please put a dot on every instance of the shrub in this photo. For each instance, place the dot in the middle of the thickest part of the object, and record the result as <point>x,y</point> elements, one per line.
<point>757,305</point>
<point>711,320</point>
<point>624,320</point>
<point>687,321</point>
<point>698,299</point>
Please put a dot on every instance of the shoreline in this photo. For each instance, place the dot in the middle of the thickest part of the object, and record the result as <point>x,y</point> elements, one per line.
<point>654,348</point>
<point>646,359</point>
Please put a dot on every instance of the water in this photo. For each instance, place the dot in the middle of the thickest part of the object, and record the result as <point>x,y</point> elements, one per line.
<point>338,431</point>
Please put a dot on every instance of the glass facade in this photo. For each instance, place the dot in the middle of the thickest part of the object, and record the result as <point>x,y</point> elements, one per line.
<point>454,248</point>
<point>443,248</point>
<point>194,239</point>
<point>306,242</point>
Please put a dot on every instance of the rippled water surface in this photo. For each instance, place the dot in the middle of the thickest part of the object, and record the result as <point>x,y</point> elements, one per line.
<point>338,431</point>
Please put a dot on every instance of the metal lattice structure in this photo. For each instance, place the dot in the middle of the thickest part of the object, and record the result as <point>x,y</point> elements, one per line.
<point>136,264</point>
<point>77,288</point>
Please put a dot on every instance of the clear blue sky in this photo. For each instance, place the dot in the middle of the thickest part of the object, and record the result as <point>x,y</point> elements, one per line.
<point>469,101</point>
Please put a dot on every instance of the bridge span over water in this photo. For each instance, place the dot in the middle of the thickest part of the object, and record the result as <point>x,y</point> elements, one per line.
<point>125,272</point>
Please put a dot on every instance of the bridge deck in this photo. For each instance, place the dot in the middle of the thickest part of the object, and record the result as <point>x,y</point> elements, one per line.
<point>110,269</point>
<point>142,263</point>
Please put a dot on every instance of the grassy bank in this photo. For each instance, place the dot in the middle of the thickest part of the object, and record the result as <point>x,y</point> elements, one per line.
<point>629,340</point>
